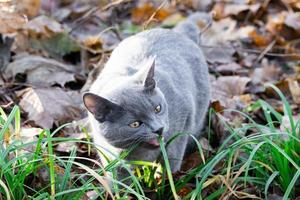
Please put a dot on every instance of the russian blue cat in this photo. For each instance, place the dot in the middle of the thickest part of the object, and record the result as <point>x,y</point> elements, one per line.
<point>155,83</point>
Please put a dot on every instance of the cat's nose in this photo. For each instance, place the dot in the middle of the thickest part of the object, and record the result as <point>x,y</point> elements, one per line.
<point>159,131</point>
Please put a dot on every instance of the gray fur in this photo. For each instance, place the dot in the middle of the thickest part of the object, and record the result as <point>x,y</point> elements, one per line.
<point>181,88</point>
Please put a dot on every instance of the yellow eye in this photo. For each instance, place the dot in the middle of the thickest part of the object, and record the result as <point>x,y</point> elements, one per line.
<point>157,109</point>
<point>135,124</point>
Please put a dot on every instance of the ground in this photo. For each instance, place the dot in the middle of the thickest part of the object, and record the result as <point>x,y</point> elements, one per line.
<point>51,51</point>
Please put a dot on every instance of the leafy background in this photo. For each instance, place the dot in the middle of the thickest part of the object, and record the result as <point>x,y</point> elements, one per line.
<point>51,51</point>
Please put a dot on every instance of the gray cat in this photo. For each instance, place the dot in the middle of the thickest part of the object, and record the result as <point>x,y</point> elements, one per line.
<point>155,83</point>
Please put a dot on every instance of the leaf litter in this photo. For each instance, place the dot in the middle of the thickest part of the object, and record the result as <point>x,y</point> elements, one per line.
<point>248,44</point>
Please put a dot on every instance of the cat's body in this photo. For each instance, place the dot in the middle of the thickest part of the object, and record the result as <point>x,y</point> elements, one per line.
<point>176,104</point>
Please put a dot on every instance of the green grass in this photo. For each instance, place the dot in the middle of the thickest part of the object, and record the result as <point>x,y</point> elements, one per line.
<point>265,160</point>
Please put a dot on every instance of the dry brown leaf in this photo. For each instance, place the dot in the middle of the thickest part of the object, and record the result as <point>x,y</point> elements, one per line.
<point>1,81</point>
<point>28,7</point>
<point>5,55</point>
<point>283,86</point>
<point>40,71</point>
<point>227,93</point>
<point>45,108</point>
<point>143,12</point>
<point>172,20</point>
<point>43,27</point>
<point>215,45</point>
<point>93,42</point>
<point>294,4</point>
<point>284,25</point>
<point>184,191</point>
<point>228,68</point>
<point>269,72</point>
<point>259,40</point>
<point>275,22</point>
<point>216,105</point>
<point>229,86</point>
<point>295,90</point>
<point>274,197</point>
<point>202,5</point>
<point>286,123</point>
<point>10,22</point>
<point>223,10</point>
<point>293,20</point>
<point>235,9</point>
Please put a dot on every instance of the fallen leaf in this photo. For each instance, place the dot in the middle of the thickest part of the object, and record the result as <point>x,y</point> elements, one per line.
<point>235,9</point>
<point>44,108</point>
<point>295,90</point>
<point>293,20</point>
<point>93,42</point>
<point>284,25</point>
<point>243,101</point>
<point>218,54</point>
<point>62,14</point>
<point>29,132</point>
<point>269,72</point>
<point>215,45</point>
<point>5,46</point>
<point>275,22</point>
<point>91,194</point>
<point>143,12</point>
<point>274,197</point>
<point>1,81</point>
<point>259,40</point>
<point>283,86</point>
<point>184,191</point>
<point>227,87</point>
<point>294,4</point>
<point>28,7</point>
<point>58,45</point>
<point>286,123</point>
<point>40,71</point>
<point>10,22</point>
<point>47,34</point>
<point>50,6</point>
<point>202,5</point>
<point>228,68</point>
<point>43,27</point>
<point>172,20</point>
<point>216,105</point>
<point>228,93</point>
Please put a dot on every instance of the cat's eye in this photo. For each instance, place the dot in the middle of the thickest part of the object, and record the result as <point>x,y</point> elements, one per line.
<point>135,124</point>
<point>157,109</point>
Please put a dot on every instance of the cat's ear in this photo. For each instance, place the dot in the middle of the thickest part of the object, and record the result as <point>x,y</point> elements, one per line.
<point>149,82</point>
<point>145,76</point>
<point>101,108</point>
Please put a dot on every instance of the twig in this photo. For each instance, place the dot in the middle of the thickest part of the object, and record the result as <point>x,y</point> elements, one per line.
<point>265,51</point>
<point>146,24</point>
<point>7,105</point>
<point>87,15</point>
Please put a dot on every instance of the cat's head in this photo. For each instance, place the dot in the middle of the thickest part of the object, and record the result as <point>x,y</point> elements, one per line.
<point>133,112</point>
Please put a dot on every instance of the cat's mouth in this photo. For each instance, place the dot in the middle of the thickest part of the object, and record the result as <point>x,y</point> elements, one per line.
<point>153,142</point>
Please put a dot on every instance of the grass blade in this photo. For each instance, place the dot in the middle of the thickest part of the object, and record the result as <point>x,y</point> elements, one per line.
<point>272,177</point>
<point>5,189</point>
<point>167,165</point>
<point>51,165</point>
<point>291,185</point>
